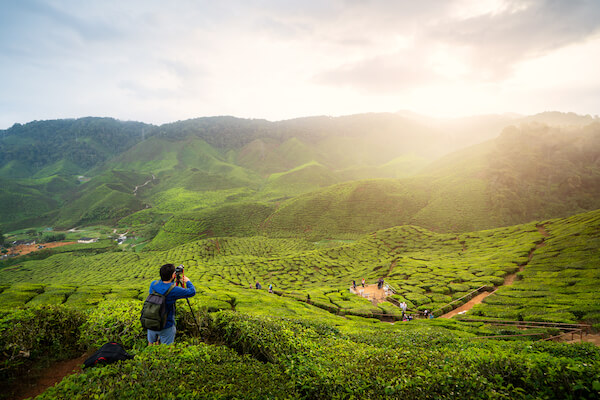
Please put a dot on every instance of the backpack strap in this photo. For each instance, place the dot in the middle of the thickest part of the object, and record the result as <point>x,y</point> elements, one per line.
<point>151,285</point>
<point>169,291</point>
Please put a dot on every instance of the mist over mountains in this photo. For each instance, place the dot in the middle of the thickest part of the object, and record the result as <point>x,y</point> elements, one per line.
<point>316,176</point>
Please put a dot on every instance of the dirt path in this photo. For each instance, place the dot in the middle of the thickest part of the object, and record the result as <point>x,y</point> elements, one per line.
<point>590,338</point>
<point>145,183</point>
<point>23,249</point>
<point>508,280</point>
<point>370,292</point>
<point>34,386</point>
<point>467,306</point>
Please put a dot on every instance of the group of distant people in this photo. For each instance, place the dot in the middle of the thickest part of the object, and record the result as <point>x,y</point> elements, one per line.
<point>403,306</point>
<point>259,286</point>
<point>363,283</point>
<point>380,284</point>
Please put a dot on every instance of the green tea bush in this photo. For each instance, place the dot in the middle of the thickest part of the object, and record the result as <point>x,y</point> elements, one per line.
<point>87,296</point>
<point>177,372</point>
<point>52,295</point>
<point>37,333</point>
<point>266,338</point>
<point>458,287</point>
<point>114,321</point>
<point>417,299</point>
<point>19,294</point>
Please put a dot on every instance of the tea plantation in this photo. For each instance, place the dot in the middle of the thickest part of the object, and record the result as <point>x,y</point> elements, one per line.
<point>312,338</point>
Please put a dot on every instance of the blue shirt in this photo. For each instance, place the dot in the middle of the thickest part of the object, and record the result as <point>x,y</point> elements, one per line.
<point>177,293</point>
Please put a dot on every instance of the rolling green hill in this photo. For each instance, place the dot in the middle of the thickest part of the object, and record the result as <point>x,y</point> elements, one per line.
<point>352,208</point>
<point>65,146</point>
<point>528,173</point>
<point>315,171</point>
<point>106,198</point>
<point>556,261</point>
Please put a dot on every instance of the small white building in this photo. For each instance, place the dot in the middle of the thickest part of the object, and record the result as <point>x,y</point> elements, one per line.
<point>87,240</point>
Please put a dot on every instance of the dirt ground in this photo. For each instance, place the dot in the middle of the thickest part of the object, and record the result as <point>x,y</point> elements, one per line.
<point>26,249</point>
<point>590,338</point>
<point>370,292</point>
<point>467,306</point>
<point>49,377</point>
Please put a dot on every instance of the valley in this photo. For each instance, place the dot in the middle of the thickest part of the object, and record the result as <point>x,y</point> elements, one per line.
<point>502,225</point>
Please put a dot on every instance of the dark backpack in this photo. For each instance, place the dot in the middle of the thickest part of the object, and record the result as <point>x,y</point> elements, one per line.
<point>154,311</point>
<point>109,353</point>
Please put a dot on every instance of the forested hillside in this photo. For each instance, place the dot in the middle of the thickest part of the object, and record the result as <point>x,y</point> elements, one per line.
<point>321,176</point>
<point>64,147</point>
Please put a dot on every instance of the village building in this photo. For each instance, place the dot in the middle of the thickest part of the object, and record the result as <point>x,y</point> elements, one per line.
<point>87,240</point>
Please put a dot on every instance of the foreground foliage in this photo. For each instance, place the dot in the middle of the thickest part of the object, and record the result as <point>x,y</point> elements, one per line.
<point>282,358</point>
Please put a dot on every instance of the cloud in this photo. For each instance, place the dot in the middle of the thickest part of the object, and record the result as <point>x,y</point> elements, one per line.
<point>33,28</point>
<point>521,30</point>
<point>381,74</point>
<point>480,44</point>
<point>275,59</point>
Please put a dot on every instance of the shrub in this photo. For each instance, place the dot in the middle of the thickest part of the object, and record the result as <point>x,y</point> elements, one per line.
<point>114,321</point>
<point>188,371</point>
<point>37,333</point>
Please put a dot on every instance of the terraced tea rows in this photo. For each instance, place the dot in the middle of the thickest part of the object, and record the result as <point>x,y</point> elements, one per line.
<point>561,282</point>
<point>237,219</point>
<point>428,270</point>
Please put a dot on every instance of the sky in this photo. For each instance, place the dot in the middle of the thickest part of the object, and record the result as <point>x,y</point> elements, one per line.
<point>161,61</point>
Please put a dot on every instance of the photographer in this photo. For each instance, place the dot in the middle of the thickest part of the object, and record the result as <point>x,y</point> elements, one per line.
<point>167,275</point>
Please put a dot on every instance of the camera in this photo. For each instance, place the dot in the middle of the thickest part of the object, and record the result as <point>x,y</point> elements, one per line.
<point>179,274</point>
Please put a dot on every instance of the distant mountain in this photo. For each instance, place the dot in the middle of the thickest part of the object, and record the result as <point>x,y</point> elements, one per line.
<point>315,173</point>
<point>64,147</point>
<point>531,172</point>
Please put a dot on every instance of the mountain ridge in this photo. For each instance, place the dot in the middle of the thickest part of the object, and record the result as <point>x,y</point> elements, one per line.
<point>230,159</point>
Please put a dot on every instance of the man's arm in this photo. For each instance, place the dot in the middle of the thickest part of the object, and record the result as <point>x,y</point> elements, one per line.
<point>181,293</point>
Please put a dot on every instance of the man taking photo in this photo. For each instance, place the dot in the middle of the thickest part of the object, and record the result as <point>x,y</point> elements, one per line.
<point>166,286</point>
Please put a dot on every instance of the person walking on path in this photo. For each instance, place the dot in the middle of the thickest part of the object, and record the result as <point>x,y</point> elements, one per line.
<point>167,284</point>
<point>403,307</point>
<point>363,282</point>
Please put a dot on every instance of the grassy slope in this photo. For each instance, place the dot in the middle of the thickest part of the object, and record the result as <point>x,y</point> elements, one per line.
<point>529,173</point>
<point>349,208</point>
<point>299,180</point>
<point>32,202</point>
<point>428,269</point>
<point>105,198</point>
<point>560,281</point>
<point>272,339</point>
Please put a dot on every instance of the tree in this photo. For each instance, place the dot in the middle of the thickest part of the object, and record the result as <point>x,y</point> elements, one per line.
<point>1,238</point>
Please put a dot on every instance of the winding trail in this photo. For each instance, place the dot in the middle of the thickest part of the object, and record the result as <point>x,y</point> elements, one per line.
<point>145,183</point>
<point>467,306</point>
<point>508,279</point>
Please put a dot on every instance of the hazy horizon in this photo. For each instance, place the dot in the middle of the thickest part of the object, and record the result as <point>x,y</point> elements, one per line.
<point>158,63</point>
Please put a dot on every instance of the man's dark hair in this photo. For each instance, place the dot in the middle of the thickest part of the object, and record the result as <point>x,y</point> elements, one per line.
<point>166,272</point>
